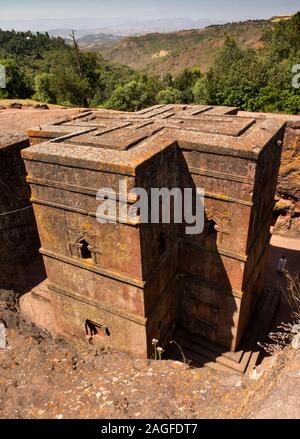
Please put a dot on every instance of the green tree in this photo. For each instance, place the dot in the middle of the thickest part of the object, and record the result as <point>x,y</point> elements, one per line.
<point>200,92</point>
<point>185,82</point>
<point>168,80</point>
<point>18,84</point>
<point>236,76</point>
<point>131,97</point>
<point>169,96</point>
<point>68,86</point>
<point>43,88</point>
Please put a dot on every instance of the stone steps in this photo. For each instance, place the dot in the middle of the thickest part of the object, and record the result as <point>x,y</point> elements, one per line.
<point>199,352</point>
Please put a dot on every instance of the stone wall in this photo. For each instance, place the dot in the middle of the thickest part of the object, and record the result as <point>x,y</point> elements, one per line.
<point>288,207</point>
<point>286,219</point>
<point>21,265</point>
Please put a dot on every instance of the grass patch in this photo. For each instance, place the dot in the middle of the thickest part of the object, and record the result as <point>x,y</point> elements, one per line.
<point>25,102</point>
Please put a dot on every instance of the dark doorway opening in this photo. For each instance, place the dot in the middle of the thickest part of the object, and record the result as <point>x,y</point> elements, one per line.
<point>85,251</point>
<point>211,228</point>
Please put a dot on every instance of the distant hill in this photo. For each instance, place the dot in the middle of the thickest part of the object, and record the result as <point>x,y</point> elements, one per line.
<point>89,41</point>
<point>161,53</point>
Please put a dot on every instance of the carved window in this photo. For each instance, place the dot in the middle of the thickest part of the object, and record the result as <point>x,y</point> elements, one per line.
<point>85,251</point>
<point>212,229</point>
<point>93,329</point>
<point>82,246</point>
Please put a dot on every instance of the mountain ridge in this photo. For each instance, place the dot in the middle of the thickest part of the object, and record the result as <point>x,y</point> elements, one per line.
<point>160,53</point>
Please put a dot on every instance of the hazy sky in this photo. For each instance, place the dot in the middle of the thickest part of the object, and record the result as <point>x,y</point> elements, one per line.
<point>144,10</point>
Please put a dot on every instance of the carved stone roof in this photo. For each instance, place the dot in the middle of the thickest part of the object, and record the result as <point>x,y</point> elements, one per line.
<point>120,141</point>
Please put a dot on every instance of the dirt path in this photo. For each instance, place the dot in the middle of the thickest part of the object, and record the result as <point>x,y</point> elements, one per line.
<point>280,246</point>
<point>280,241</point>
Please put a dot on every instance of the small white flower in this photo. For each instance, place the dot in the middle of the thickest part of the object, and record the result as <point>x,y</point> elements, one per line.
<point>154,342</point>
